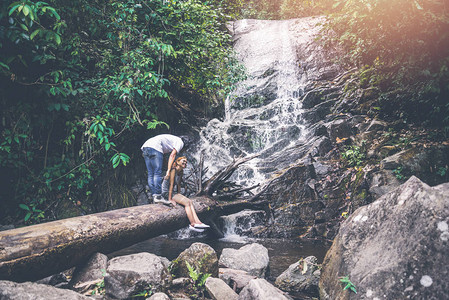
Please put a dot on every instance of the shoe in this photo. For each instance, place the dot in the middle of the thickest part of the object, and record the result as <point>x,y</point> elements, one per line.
<point>195,229</point>
<point>160,199</point>
<point>201,226</point>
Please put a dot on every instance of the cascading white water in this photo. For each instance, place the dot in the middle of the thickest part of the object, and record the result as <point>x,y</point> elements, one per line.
<point>263,115</point>
<point>237,227</point>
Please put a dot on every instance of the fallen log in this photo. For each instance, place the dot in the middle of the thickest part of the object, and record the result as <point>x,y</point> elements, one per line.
<point>37,251</point>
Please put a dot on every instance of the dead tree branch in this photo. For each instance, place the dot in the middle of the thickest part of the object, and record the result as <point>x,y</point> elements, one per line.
<point>219,178</point>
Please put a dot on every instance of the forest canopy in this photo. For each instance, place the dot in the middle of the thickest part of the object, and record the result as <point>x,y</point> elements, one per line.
<point>81,81</point>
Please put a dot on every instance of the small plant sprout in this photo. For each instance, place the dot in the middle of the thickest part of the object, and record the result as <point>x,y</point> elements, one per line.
<point>348,284</point>
<point>198,278</point>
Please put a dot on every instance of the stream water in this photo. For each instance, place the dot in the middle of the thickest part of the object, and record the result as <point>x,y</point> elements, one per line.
<point>282,252</point>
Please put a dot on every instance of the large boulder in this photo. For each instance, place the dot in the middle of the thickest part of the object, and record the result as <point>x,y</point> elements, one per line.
<point>219,290</point>
<point>252,258</point>
<point>200,256</point>
<point>394,248</point>
<point>300,277</point>
<point>132,274</point>
<point>159,296</point>
<point>34,291</point>
<point>236,279</point>
<point>258,289</point>
<point>87,275</point>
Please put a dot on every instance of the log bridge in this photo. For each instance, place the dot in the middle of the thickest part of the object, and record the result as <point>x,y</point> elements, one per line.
<point>37,251</point>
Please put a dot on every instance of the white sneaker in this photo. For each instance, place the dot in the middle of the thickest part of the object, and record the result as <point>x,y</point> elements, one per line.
<point>160,199</point>
<point>195,229</point>
<point>201,226</point>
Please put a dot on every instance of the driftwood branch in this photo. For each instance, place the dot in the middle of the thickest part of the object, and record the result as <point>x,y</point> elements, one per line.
<point>234,193</point>
<point>218,179</point>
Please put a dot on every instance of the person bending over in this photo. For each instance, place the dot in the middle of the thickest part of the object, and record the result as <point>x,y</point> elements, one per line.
<point>153,150</point>
<point>175,177</point>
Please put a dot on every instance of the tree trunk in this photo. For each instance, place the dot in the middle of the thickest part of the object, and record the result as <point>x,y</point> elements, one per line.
<point>37,251</point>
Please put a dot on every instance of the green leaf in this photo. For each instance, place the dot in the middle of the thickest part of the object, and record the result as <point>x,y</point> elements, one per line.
<point>26,10</point>
<point>27,217</point>
<point>57,38</point>
<point>24,206</point>
<point>14,6</point>
<point>32,35</point>
<point>4,65</point>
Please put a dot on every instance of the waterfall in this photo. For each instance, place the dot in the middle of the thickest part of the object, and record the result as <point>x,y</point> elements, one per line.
<point>239,226</point>
<point>263,114</point>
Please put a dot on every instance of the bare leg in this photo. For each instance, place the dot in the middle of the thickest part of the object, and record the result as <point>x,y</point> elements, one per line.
<point>190,210</point>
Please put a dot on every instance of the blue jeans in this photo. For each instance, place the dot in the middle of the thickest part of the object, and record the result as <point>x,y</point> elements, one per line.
<point>153,161</point>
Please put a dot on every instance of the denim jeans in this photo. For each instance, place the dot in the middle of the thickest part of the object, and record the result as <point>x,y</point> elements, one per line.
<point>153,161</point>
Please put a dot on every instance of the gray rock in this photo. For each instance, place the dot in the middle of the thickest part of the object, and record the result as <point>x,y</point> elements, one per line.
<point>59,280</point>
<point>300,277</point>
<point>377,125</point>
<point>339,129</point>
<point>159,296</point>
<point>382,182</point>
<point>34,291</point>
<point>88,275</point>
<point>236,279</point>
<point>393,248</point>
<point>200,256</point>
<point>131,274</point>
<point>252,258</point>
<point>219,290</point>
<point>180,282</point>
<point>259,289</point>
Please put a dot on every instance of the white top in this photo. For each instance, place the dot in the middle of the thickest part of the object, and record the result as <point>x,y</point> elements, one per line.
<point>164,143</point>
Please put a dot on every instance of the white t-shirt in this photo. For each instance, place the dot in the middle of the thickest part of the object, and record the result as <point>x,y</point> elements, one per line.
<point>164,143</point>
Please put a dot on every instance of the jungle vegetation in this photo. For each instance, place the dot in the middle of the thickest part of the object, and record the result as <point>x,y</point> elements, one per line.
<point>83,82</point>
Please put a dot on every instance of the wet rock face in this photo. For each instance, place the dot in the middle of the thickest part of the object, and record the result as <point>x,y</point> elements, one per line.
<point>294,203</point>
<point>394,248</point>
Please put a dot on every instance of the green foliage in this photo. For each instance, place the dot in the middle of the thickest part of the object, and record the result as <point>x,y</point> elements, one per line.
<point>277,9</point>
<point>99,286</point>
<point>147,292</point>
<point>354,155</point>
<point>198,278</point>
<point>443,171</point>
<point>83,80</point>
<point>398,173</point>
<point>33,215</point>
<point>348,284</point>
<point>403,52</point>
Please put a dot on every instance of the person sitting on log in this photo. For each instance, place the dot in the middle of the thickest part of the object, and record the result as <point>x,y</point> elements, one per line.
<point>175,177</point>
